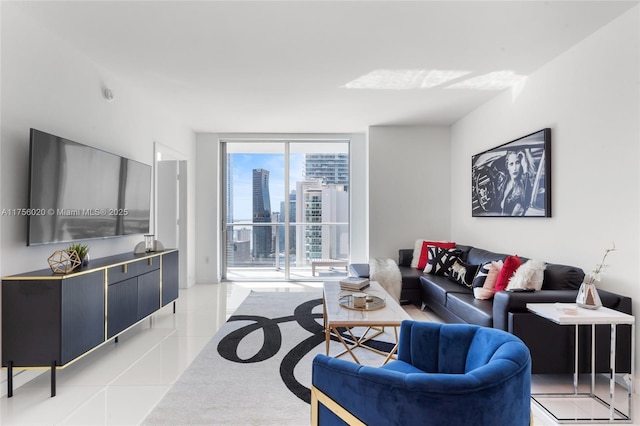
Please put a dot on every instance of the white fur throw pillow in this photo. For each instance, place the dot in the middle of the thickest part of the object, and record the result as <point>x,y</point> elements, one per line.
<point>529,275</point>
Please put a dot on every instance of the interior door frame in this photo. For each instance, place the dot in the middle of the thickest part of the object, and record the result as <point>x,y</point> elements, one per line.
<point>162,152</point>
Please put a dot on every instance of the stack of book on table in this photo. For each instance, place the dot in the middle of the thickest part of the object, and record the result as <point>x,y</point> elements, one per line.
<point>354,283</point>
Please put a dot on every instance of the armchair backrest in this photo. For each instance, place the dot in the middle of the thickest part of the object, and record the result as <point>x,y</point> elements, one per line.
<point>456,348</point>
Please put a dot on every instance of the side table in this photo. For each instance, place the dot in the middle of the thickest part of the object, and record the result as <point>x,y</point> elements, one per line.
<point>583,316</point>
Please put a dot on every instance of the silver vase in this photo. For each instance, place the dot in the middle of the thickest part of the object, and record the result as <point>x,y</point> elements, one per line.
<point>588,296</point>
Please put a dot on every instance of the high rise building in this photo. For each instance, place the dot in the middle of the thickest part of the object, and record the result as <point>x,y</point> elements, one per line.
<point>262,235</point>
<point>324,206</point>
<point>330,169</point>
<point>309,211</point>
<point>323,199</point>
<point>292,220</point>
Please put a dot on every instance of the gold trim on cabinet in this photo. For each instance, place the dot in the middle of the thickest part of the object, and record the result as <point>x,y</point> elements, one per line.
<point>88,271</point>
<point>58,277</point>
<point>161,261</point>
<point>106,304</point>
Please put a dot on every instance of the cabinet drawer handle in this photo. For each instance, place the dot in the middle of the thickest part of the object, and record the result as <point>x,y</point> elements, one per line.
<point>124,268</point>
<point>150,261</point>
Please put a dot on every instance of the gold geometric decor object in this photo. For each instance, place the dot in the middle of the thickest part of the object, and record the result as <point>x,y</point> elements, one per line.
<point>64,261</point>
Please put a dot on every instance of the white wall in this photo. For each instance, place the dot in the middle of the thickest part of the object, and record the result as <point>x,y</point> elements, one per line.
<point>359,192</point>
<point>208,262</point>
<point>208,178</point>
<point>49,86</point>
<point>409,189</point>
<point>589,97</point>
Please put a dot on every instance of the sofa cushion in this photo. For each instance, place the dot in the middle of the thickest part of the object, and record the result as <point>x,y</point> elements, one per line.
<point>440,260</point>
<point>562,277</point>
<point>479,256</point>
<point>464,252</point>
<point>471,310</point>
<point>436,287</point>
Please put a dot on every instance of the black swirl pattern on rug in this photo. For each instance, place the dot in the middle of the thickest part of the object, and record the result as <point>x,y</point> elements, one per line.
<point>272,342</point>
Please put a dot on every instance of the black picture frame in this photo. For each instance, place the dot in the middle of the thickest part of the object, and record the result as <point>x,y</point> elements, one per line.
<point>513,179</point>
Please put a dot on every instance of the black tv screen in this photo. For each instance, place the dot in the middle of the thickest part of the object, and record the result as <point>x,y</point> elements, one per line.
<point>77,192</point>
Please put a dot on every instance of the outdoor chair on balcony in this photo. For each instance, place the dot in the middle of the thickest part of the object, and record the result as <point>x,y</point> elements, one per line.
<point>341,263</point>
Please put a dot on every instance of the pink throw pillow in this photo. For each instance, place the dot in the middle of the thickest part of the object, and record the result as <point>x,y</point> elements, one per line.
<point>492,276</point>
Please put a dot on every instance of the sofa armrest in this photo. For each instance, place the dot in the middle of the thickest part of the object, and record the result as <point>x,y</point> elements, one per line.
<point>507,301</point>
<point>405,256</point>
<point>360,270</point>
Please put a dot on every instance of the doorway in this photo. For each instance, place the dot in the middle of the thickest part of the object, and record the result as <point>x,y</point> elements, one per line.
<point>170,209</point>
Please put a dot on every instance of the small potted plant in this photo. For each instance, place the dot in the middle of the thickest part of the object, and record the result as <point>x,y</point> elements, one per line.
<point>83,252</point>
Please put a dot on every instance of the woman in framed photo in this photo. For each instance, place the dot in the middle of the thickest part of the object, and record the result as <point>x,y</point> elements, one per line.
<point>517,188</point>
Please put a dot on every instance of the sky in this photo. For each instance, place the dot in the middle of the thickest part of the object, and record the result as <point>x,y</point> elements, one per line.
<point>243,165</point>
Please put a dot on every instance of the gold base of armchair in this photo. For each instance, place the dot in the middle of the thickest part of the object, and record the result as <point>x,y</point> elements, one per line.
<point>318,397</point>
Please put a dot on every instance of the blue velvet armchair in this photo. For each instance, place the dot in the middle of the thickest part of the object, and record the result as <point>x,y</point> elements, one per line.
<point>445,374</point>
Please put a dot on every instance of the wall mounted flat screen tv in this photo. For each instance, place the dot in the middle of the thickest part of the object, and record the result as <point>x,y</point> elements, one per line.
<point>77,192</point>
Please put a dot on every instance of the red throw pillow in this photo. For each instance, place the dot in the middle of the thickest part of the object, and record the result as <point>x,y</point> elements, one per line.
<point>424,253</point>
<point>511,263</point>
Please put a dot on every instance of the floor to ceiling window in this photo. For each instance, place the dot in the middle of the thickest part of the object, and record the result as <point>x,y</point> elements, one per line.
<point>285,209</point>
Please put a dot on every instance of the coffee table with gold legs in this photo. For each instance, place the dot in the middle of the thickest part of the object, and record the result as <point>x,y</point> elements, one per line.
<point>374,318</point>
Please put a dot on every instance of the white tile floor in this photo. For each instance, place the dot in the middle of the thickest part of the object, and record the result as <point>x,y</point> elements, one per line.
<point>120,383</point>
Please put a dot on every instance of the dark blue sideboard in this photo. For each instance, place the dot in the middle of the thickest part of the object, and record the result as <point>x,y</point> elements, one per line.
<point>50,320</point>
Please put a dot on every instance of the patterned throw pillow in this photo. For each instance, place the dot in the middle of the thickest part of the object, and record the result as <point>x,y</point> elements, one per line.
<point>485,280</point>
<point>481,275</point>
<point>440,260</point>
<point>462,273</point>
<point>421,251</point>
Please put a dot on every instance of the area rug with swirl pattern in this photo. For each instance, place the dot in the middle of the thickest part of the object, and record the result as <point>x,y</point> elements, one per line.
<point>256,370</point>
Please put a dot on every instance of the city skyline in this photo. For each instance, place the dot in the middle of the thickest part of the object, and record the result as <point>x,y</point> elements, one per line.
<point>318,193</point>
<point>243,166</point>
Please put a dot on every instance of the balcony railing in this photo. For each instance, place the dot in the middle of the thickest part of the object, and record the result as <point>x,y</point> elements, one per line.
<point>260,251</point>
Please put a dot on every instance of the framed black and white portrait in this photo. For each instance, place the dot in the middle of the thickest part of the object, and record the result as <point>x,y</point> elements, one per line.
<point>513,179</point>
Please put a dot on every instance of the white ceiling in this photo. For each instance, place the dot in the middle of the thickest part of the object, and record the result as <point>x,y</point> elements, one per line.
<point>281,67</point>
